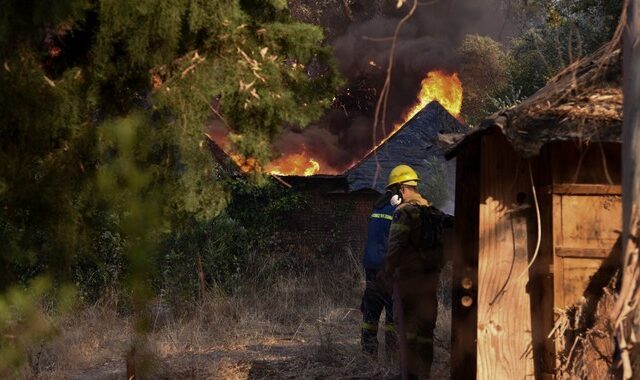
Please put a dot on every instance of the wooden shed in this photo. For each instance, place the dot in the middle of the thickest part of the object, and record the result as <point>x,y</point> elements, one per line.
<point>538,210</point>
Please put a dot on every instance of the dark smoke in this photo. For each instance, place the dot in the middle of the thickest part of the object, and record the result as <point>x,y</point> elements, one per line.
<point>428,41</point>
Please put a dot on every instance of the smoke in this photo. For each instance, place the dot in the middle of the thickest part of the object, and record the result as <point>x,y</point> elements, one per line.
<point>428,41</point>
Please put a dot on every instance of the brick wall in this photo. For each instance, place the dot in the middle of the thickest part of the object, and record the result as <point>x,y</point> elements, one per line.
<point>333,223</point>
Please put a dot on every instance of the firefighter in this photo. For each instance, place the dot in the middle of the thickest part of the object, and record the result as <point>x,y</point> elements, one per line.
<point>413,267</point>
<point>376,297</point>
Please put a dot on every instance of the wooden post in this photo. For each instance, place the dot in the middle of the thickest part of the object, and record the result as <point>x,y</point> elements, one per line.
<point>465,264</point>
<point>629,294</point>
<point>631,133</point>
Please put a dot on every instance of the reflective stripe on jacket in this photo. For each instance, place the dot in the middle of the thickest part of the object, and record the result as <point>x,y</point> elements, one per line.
<point>378,237</point>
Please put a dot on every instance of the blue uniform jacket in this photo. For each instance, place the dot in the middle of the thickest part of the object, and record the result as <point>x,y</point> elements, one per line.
<point>378,237</point>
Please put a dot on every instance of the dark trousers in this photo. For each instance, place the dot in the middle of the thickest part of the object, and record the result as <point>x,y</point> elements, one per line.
<point>375,299</point>
<point>420,306</point>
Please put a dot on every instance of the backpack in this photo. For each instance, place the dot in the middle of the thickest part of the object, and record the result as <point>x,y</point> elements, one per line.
<point>434,222</point>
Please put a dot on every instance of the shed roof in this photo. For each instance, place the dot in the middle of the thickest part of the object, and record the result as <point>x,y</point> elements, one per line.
<point>583,102</point>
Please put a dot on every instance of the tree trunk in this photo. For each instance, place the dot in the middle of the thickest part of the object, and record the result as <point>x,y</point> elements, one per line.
<point>627,311</point>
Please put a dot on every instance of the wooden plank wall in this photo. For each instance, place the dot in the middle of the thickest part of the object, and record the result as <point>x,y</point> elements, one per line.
<point>465,263</point>
<point>585,233</point>
<point>586,216</point>
<point>504,340</point>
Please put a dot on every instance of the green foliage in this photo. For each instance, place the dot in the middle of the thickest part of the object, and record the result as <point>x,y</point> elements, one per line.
<point>166,60</point>
<point>221,244</point>
<point>434,186</point>
<point>104,105</point>
<point>240,243</point>
<point>342,212</point>
<point>265,72</point>
<point>572,29</point>
<point>46,160</point>
<point>554,34</point>
<point>259,206</point>
<point>485,74</point>
<point>100,266</point>
<point>508,98</point>
<point>18,18</point>
<point>128,183</point>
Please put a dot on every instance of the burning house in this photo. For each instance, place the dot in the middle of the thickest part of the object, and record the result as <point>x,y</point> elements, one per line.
<point>342,202</point>
<point>538,209</point>
<point>342,192</point>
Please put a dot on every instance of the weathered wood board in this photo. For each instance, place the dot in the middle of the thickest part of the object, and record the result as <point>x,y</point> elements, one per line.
<point>586,220</point>
<point>504,337</point>
<point>585,232</point>
<point>575,163</point>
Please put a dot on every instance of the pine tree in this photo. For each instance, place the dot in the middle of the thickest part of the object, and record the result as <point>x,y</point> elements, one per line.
<point>70,69</point>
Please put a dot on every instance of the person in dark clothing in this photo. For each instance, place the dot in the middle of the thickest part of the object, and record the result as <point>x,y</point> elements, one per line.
<point>413,263</point>
<point>376,296</point>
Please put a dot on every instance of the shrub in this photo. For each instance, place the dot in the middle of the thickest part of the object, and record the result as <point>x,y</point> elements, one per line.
<point>240,245</point>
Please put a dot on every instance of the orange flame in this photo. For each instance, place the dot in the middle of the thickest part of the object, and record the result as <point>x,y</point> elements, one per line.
<point>444,88</point>
<point>300,164</point>
<point>247,165</point>
<point>294,164</point>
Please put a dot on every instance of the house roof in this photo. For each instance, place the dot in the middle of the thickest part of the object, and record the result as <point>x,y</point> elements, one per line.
<point>417,143</point>
<point>583,102</point>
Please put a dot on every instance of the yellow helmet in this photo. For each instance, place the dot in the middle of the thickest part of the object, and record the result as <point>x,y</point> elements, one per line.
<point>403,174</point>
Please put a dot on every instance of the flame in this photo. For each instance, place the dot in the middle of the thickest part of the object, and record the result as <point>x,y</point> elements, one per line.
<point>444,88</point>
<point>246,164</point>
<point>294,164</point>
<point>300,164</point>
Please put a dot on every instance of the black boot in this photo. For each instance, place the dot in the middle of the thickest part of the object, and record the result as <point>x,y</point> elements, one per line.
<point>369,341</point>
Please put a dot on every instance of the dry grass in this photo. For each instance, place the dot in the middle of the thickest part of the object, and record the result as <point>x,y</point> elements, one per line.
<point>297,327</point>
<point>583,332</point>
<point>86,339</point>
